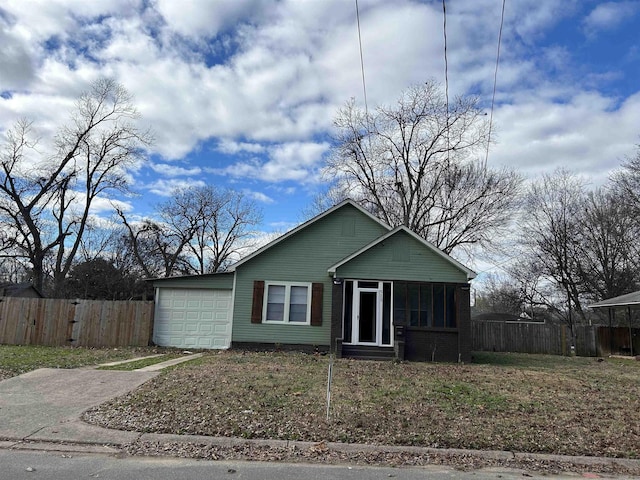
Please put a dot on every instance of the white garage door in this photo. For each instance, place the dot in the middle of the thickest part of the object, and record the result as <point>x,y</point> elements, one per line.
<point>193,318</point>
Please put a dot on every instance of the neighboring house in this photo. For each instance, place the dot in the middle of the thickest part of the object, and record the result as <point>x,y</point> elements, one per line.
<point>8,289</point>
<point>343,281</point>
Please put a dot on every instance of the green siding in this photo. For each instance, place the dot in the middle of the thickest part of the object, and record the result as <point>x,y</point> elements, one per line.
<point>222,281</point>
<point>303,257</point>
<point>401,257</point>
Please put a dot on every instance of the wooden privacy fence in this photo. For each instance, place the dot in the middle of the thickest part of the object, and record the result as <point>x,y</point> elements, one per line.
<point>530,337</point>
<point>87,323</point>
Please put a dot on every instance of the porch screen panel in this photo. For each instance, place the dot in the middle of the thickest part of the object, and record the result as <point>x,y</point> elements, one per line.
<point>424,305</point>
<point>386,313</point>
<point>399,303</point>
<point>413,292</point>
<point>451,321</point>
<point>438,305</point>
<point>348,307</point>
<point>426,313</point>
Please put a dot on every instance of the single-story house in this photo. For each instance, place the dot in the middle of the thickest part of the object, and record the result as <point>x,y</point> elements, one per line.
<point>343,281</point>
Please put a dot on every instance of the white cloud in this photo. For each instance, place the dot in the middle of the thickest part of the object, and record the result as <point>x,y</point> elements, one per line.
<point>590,134</point>
<point>174,170</point>
<point>296,161</point>
<point>292,64</point>
<point>18,69</point>
<point>299,153</point>
<point>123,205</point>
<point>231,147</point>
<point>197,18</point>
<point>259,196</point>
<point>283,227</point>
<point>609,15</point>
<point>102,205</point>
<point>165,188</point>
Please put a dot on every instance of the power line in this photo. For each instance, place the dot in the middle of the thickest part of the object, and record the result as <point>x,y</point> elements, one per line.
<point>446,62</point>
<point>364,84</point>
<point>495,81</point>
<point>446,75</point>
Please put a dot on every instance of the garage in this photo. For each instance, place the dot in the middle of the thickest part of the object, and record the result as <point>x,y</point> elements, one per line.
<point>193,318</point>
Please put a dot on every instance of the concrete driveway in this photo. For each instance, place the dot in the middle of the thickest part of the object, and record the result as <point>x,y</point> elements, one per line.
<point>46,404</point>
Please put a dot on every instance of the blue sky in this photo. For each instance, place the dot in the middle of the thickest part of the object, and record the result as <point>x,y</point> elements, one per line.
<point>242,93</point>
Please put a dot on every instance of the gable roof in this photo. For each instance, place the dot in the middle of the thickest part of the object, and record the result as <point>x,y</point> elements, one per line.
<point>626,300</point>
<point>468,272</point>
<point>304,225</point>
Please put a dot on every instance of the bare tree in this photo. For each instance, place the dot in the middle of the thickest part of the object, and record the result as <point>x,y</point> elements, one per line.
<point>198,230</point>
<point>549,232</point>
<point>625,182</point>
<point>225,222</point>
<point>416,164</point>
<point>98,241</point>
<point>577,246</point>
<point>158,247</point>
<point>46,199</point>
<point>323,201</point>
<point>500,294</point>
<point>608,258</point>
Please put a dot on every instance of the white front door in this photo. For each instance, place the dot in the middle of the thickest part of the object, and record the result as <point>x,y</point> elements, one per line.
<point>367,315</point>
<point>371,313</point>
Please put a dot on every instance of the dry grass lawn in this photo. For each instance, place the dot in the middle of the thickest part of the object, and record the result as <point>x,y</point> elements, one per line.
<point>526,403</point>
<point>18,359</point>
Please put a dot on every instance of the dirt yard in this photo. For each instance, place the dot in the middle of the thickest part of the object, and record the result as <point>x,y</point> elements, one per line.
<point>525,403</point>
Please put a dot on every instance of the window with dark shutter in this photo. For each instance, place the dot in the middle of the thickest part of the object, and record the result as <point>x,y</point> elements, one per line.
<point>258,296</point>
<point>316,304</point>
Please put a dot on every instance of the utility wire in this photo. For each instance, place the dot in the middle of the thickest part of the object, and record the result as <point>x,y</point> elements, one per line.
<point>446,74</point>
<point>364,84</point>
<point>495,81</point>
<point>446,62</point>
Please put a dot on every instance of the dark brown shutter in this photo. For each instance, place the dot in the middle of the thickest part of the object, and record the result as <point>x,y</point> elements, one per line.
<point>258,296</point>
<point>316,304</point>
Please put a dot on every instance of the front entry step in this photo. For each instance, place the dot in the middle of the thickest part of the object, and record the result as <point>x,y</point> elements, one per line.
<point>366,352</point>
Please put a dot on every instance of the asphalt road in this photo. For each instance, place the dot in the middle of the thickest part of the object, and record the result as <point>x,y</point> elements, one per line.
<point>38,465</point>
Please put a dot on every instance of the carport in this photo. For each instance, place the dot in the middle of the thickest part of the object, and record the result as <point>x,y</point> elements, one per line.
<point>630,305</point>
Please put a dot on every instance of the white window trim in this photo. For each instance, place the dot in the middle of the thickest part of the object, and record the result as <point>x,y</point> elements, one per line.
<point>287,302</point>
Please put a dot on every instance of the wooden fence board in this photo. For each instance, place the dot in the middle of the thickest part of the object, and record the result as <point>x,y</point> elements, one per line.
<point>518,337</point>
<point>89,323</point>
<point>523,337</point>
<point>618,341</point>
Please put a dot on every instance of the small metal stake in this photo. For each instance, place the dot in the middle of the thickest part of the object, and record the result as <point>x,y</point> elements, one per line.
<point>329,379</point>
